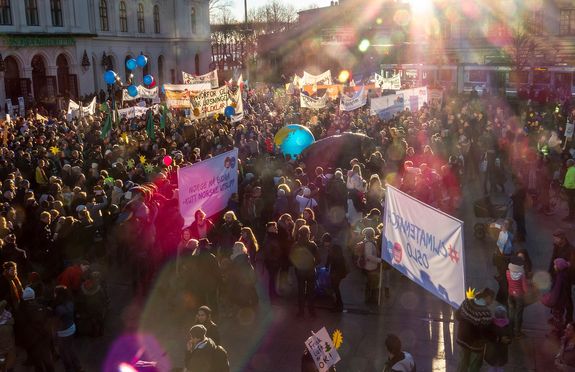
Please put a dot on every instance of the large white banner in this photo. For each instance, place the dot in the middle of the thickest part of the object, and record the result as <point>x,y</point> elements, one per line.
<point>211,77</point>
<point>143,92</point>
<point>321,79</point>
<point>180,95</point>
<point>136,111</point>
<point>358,100</point>
<point>207,185</point>
<point>414,98</point>
<point>74,109</point>
<point>387,106</point>
<point>313,103</point>
<point>426,245</point>
<point>392,83</point>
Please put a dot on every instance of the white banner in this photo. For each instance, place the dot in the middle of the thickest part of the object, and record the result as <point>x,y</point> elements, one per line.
<point>321,349</point>
<point>74,109</point>
<point>211,77</point>
<point>387,106</point>
<point>414,98</point>
<point>321,79</point>
<point>21,106</point>
<point>426,245</point>
<point>207,185</point>
<point>313,103</point>
<point>9,107</point>
<point>211,102</point>
<point>392,83</point>
<point>189,87</point>
<point>358,100</point>
<point>143,92</point>
<point>136,111</point>
<point>180,95</point>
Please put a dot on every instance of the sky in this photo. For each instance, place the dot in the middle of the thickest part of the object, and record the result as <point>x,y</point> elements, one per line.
<point>238,5</point>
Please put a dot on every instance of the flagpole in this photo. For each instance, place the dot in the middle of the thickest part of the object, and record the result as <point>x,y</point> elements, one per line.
<point>379,286</point>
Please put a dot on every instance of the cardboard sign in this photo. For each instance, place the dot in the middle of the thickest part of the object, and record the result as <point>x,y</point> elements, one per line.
<point>320,347</point>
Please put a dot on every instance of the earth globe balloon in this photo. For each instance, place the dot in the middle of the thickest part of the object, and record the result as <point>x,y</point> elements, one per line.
<point>293,139</point>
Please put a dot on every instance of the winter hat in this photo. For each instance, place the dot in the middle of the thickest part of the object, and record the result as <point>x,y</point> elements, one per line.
<point>561,264</point>
<point>28,294</point>
<point>515,268</point>
<point>500,312</point>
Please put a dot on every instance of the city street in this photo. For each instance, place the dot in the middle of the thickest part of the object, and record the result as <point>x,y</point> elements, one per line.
<point>274,338</point>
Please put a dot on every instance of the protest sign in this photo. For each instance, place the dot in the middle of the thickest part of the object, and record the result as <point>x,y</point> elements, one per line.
<point>143,92</point>
<point>211,102</point>
<point>435,96</point>
<point>9,107</point>
<point>425,245</point>
<point>207,185</point>
<point>74,109</point>
<point>358,100</point>
<point>392,83</point>
<point>569,130</point>
<point>321,79</point>
<point>312,103</point>
<point>21,106</point>
<point>414,98</point>
<point>321,349</point>
<point>211,78</point>
<point>387,106</point>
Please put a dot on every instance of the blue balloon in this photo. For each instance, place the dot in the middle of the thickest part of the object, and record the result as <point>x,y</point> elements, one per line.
<point>148,79</point>
<point>133,90</point>
<point>131,64</point>
<point>296,140</point>
<point>142,60</point>
<point>229,111</point>
<point>110,77</point>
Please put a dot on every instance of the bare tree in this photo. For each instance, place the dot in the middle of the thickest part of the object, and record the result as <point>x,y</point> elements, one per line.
<point>276,16</point>
<point>521,51</point>
<point>218,7</point>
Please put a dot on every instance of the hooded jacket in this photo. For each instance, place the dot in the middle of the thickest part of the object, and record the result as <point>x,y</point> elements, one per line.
<point>402,363</point>
<point>200,359</point>
<point>516,281</point>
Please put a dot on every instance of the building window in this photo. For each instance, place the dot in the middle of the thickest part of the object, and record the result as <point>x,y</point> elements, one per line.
<point>567,22</point>
<point>123,17</point>
<point>56,9</point>
<point>32,13</point>
<point>141,24</point>
<point>156,19</point>
<point>104,16</point>
<point>5,13</point>
<point>194,21</point>
<point>535,22</point>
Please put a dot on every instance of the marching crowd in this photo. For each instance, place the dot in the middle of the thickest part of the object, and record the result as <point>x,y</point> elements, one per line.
<point>74,200</point>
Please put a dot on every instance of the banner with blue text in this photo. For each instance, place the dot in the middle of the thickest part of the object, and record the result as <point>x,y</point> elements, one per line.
<point>426,245</point>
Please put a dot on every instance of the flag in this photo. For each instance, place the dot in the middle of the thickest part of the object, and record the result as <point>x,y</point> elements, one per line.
<point>150,126</point>
<point>163,117</point>
<point>116,115</point>
<point>107,126</point>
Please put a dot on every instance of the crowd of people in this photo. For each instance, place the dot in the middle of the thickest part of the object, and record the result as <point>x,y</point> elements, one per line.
<point>75,194</point>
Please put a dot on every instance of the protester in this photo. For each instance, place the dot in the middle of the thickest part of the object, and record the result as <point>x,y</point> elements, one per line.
<point>304,257</point>
<point>63,309</point>
<point>337,269</point>
<point>204,317</point>
<point>398,359</point>
<point>559,299</point>
<point>500,334</point>
<point>518,288</point>
<point>203,354</point>
<point>565,359</point>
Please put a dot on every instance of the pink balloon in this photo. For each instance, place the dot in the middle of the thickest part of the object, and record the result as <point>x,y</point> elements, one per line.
<point>167,160</point>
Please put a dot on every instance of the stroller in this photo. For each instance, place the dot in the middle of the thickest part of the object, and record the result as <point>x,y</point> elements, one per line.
<point>489,217</point>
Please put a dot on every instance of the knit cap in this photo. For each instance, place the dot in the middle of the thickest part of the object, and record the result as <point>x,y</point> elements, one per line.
<point>500,312</point>
<point>561,264</point>
<point>28,294</point>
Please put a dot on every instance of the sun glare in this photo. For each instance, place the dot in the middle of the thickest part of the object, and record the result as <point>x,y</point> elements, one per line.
<point>421,6</point>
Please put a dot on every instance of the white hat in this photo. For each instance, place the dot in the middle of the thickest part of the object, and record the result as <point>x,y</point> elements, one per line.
<point>28,294</point>
<point>80,208</point>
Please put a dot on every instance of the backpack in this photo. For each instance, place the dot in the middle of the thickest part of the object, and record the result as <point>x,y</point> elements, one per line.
<point>220,360</point>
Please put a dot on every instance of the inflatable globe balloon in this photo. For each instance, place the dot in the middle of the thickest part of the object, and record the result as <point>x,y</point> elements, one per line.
<point>133,90</point>
<point>229,111</point>
<point>293,139</point>
<point>131,64</point>
<point>142,60</point>
<point>110,77</point>
<point>148,79</point>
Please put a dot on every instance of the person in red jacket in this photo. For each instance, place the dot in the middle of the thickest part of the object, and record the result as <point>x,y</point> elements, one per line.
<point>73,276</point>
<point>517,288</point>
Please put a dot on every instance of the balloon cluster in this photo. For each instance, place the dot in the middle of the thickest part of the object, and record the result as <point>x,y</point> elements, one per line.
<point>110,77</point>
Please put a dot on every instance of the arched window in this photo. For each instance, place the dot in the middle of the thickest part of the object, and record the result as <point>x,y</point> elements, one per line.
<point>56,10</point>
<point>104,16</point>
<point>123,17</point>
<point>197,63</point>
<point>32,13</point>
<point>141,24</point>
<point>62,74</point>
<point>194,21</point>
<point>160,69</point>
<point>156,19</point>
<point>5,13</point>
<point>12,85</point>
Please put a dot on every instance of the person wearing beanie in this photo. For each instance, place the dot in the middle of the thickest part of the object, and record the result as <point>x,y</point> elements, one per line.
<point>500,334</point>
<point>474,318</point>
<point>28,294</point>
<point>517,287</point>
<point>398,360</point>
<point>558,299</point>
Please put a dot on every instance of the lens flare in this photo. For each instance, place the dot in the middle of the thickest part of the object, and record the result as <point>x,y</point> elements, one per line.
<point>125,367</point>
<point>364,45</point>
<point>344,75</point>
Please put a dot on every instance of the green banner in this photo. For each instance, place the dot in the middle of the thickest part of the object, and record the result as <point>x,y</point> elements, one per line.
<point>40,41</point>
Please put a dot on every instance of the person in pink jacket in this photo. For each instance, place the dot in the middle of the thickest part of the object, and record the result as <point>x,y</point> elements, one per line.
<point>517,288</point>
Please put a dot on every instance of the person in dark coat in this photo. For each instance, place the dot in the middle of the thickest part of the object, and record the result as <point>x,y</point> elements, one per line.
<point>474,318</point>
<point>562,248</point>
<point>33,333</point>
<point>241,279</point>
<point>204,317</point>
<point>202,352</point>
<point>228,233</point>
<point>519,197</point>
<point>10,286</point>
<point>500,333</point>
<point>337,268</point>
<point>206,275</point>
<point>201,228</point>
<point>304,256</point>
<point>272,254</point>
<point>558,299</point>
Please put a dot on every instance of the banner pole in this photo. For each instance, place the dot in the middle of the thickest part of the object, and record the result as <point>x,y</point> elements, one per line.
<point>379,287</point>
